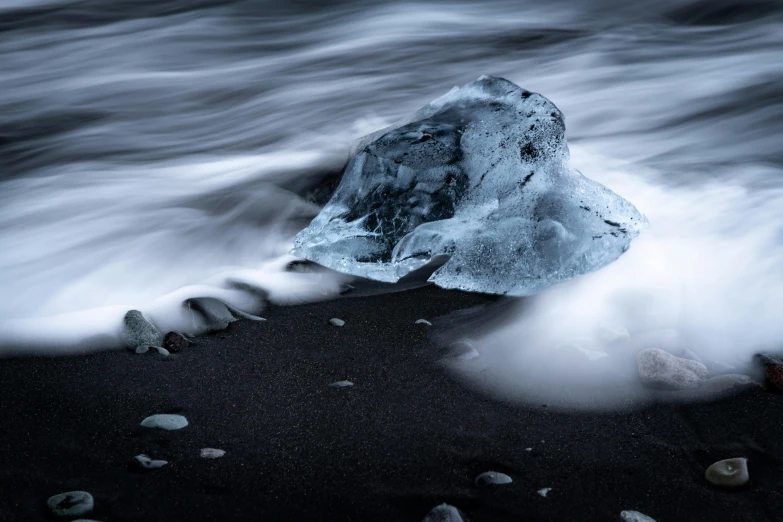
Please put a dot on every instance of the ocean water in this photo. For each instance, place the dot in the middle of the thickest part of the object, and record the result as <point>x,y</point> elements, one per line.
<point>158,150</point>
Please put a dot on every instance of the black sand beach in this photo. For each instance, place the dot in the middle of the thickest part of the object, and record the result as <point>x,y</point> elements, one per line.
<point>403,439</point>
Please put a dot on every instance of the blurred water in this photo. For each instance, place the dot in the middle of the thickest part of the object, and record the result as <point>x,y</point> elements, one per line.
<point>151,145</point>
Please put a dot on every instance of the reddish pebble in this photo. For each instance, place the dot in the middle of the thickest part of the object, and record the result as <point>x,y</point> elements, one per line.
<point>775,375</point>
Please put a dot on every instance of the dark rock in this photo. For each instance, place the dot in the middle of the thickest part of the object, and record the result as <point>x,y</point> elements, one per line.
<point>175,342</point>
<point>774,373</point>
<point>70,505</point>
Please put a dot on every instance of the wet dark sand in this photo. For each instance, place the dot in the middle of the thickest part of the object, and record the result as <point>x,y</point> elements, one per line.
<point>405,438</point>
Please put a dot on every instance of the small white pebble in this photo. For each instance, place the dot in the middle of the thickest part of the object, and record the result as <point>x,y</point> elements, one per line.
<point>341,384</point>
<point>528,449</point>
<point>211,453</point>
<point>423,321</point>
<point>163,351</point>
<point>635,516</point>
<point>336,322</point>
<point>544,491</point>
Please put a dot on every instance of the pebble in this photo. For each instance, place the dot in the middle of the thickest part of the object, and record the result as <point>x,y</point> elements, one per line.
<point>662,369</point>
<point>165,421</point>
<point>492,478</point>
<point>443,513</point>
<point>774,373</point>
<point>71,504</point>
<point>142,349</point>
<point>635,516</point>
<point>163,351</point>
<point>341,384</point>
<point>216,314</point>
<point>729,473</point>
<point>528,449</point>
<point>139,333</point>
<point>336,322</point>
<point>145,462</point>
<point>423,321</point>
<point>543,491</point>
<point>175,342</point>
<point>211,453</point>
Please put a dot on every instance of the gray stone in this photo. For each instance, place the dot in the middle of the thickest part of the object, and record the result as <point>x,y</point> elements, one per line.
<point>211,453</point>
<point>492,478</point>
<point>661,369</point>
<point>423,321</point>
<point>215,313</point>
<point>165,421</point>
<point>336,322</point>
<point>71,504</point>
<point>142,349</point>
<point>729,473</point>
<point>544,491</point>
<point>341,384</point>
<point>635,516</point>
<point>444,513</point>
<point>163,351</point>
<point>138,333</point>
<point>145,462</point>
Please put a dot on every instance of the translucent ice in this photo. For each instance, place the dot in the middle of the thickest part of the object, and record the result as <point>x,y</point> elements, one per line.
<point>481,176</point>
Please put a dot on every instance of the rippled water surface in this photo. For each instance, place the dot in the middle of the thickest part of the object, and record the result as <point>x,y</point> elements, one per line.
<point>150,146</point>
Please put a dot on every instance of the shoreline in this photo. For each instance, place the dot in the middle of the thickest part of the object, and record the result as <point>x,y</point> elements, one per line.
<point>403,439</point>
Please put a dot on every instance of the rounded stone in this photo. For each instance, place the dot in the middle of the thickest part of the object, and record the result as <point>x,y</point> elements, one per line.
<point>544,491</point>
<point>729,473</point>
<point>165,421</point>
<point>211,453</point>
<point>774,373</point>
<point>663,370</point>
<point>336,322</point>
<point>341,384</point>
<point>138,332</point>
<point>635,516</point>
<point>175,342</point>
<point>444,513</point>
<point>145,462</point>
<point>71,504</point>
<point>492,478</point>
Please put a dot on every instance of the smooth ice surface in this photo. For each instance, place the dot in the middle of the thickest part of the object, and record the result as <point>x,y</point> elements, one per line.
<point>479,175</point>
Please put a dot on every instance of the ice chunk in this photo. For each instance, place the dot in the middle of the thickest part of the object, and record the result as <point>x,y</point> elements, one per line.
<point>479,175</point>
